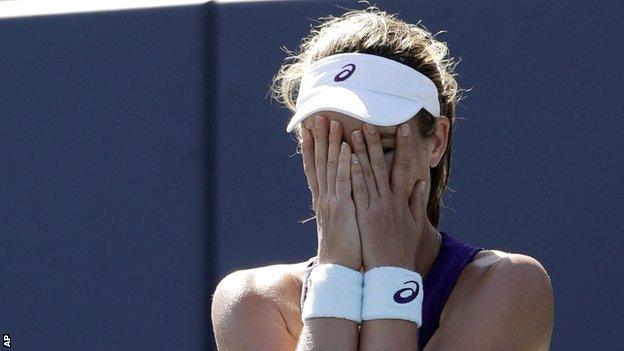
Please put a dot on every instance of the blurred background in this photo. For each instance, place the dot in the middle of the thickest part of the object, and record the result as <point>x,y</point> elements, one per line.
<point>141,159</point>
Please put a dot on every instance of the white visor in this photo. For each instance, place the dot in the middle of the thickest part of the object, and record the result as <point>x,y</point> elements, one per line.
<point>368,87</point>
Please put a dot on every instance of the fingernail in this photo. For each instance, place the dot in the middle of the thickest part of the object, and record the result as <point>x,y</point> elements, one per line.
<point>354,159</point>
<point>343,146</point>
<point>318,121</point>
<point>332,126</point>
<point>405,129</point>
<point>357,135</point>
<point>370,128</point>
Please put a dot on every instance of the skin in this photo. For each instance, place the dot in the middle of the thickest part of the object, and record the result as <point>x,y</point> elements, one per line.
<point>419,154</point>
<point>376,217</point>
<point>501,301</point>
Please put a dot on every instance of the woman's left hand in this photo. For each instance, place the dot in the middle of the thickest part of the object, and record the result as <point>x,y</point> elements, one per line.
<point>390,213</point>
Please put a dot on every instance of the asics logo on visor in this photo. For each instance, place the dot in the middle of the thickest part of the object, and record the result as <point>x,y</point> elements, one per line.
<point>414,293</point>
<point>339,77</point>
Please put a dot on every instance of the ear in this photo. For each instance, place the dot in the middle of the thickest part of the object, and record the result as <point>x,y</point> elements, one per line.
<point>439,140</point>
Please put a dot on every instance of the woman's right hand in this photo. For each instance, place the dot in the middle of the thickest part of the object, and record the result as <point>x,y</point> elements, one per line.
<point>327,166</point>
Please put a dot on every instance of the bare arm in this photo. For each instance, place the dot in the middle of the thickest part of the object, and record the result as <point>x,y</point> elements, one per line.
<point>328,334</point>
<point>326,163</point>
<point>389,334</point>
<point>391,213</point>
<point>246,317</point>
<point>511,308</point>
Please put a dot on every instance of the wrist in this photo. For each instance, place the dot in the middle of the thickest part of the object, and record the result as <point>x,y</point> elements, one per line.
<point>411,265</point>
<point>333,291</point>
<point>392,293</point>
<point>349,263</point>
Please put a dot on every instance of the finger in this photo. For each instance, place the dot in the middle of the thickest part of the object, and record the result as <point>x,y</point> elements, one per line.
<point>360,191</point>
<point>377,161</point>
<point>403,176</point>
<point>367,173</point>
<point>335,135</point>
<point>418,200</point>
<point>320,152</point>
<point>343,177</point>
<point>307,152</point>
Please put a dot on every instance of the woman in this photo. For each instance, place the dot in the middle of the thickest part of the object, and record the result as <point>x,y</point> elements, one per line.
<point>375,105</point>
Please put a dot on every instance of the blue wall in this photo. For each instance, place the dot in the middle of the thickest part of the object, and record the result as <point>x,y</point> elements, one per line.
<point>141,161</point>
<point>105,193</point>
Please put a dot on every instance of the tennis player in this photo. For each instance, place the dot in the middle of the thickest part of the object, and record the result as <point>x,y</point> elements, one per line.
<point>374,111</point>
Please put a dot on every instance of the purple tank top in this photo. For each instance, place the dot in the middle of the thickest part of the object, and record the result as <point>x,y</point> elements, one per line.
<point>452,257</point>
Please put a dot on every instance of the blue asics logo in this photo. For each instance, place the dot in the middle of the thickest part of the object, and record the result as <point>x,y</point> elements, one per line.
<point>345,73</point>
<point>414,293</point>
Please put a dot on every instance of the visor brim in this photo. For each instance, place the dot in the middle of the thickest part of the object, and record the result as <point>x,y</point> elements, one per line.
<point>368,106</point>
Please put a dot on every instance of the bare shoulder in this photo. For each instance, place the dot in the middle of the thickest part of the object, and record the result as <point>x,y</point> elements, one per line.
<point>507,292</point>
<point>273,290</point>
<point>514,272</point>
<point>491,267</point>
<point>513,267</point>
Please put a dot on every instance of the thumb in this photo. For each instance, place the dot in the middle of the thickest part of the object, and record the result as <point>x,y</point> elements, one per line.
<point>418,200</point>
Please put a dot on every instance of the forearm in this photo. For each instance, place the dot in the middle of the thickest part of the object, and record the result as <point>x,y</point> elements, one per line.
<point>388,334</point>
<point>392,332</point>
<point>328,334</point>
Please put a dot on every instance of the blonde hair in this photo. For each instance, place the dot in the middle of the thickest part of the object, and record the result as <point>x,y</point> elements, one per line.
<point>373,31</point>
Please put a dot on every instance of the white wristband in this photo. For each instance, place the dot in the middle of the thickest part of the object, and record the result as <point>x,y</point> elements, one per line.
<point>392,293</point>
<point>334,291</point>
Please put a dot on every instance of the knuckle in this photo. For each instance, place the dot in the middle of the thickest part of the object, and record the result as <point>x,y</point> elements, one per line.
<point>331,165</point>
<point>405,165</point>
<point>381,164</point>
<point>374,142</point>
<point>340,178</point>
<point>368,172</point>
